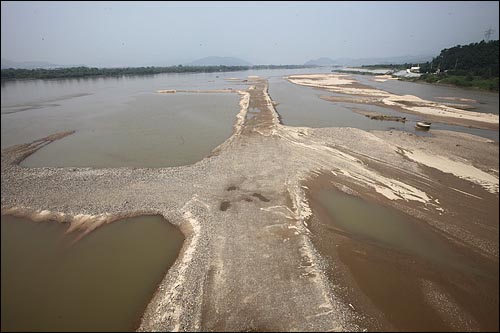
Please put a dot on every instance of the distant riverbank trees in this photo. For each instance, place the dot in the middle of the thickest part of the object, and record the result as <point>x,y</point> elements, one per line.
<point>476,59</point>
<point>79,72</point>
<point>473,65</point>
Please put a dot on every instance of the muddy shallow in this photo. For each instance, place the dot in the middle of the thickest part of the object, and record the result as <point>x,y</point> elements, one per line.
<point>101,283</point>
<point>399,272</point>
<point>152,130</point>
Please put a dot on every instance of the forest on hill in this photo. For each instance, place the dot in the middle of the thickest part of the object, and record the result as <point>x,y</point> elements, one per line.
<point>473,65</point>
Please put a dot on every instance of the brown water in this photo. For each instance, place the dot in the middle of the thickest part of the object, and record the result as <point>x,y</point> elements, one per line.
<point>100,283</point>
<point>390,258</point>
<point>119,121</point>
<point>387,227</point>
<point>151,130</point>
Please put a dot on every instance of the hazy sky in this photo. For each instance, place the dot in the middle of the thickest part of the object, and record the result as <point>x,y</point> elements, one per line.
<point>166,33</point>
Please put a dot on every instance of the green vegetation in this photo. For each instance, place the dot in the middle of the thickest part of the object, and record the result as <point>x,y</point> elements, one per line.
<point>474,65</point>
<point>463,81</point>
<point>476,59</point>
<point>78,72</point>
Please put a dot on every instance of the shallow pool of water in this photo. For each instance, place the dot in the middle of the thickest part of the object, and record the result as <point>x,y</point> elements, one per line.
<point>386,227</point>
<point>415,278</point>
<point>101,283</point>
<point>151,130</point>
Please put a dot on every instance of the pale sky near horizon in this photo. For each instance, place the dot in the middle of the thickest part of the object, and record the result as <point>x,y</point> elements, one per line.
<point>169,33</point>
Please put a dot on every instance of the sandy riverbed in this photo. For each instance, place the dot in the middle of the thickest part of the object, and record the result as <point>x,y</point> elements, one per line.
<point>248,262</point>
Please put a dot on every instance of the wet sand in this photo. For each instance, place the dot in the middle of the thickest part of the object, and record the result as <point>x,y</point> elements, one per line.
<point>249,261</point>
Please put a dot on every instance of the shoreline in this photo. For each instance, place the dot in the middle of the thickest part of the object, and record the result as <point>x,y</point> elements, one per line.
<point>450,85</point>
<point>261,172</point>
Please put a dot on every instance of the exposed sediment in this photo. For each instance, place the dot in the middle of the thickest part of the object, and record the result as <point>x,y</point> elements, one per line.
<point>378,116</point>
<point>343,84</point>
<point>248,262</point>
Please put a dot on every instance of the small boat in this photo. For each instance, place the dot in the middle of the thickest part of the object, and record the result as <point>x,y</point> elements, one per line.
<point>423,125</point>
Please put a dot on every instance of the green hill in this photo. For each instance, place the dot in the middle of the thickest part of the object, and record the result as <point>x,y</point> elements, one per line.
<point>473,65</point>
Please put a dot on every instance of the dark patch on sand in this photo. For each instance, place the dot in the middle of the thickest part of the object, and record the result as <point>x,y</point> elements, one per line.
<point>379,116</point>
<point>261,197</point>
<point>224,205</point>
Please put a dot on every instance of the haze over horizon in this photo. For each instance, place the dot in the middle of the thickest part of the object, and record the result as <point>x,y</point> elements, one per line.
<point>109,34</point>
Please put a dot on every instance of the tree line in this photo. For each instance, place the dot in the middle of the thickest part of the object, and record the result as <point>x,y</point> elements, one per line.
<point>78,72</point>
<point>476,59</point>
<point>473,65</point>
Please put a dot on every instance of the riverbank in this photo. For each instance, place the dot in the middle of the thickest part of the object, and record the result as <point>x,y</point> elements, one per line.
<point>462,81</point>
<point>82,71</point>
<point>244,211</point>
<point>444,79</point>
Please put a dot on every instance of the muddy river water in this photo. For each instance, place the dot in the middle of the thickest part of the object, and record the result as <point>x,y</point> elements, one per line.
<point>102,282</point>
<point>124,122</point>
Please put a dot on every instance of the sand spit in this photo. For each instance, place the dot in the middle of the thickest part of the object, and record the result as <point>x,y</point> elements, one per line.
<point>248,262</point>
<point>383,78</point>
<point>321,80</point>
<point>459,169</point>
<point>459,99</point>
<point>210,91</point>
<point>404,103</point>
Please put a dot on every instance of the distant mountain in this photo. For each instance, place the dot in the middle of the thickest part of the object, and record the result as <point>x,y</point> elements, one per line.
<point>369,61</point>
<point>384,60</point>
<point>219,61</point>
<point>320,62</point>
<point>31,64</point>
